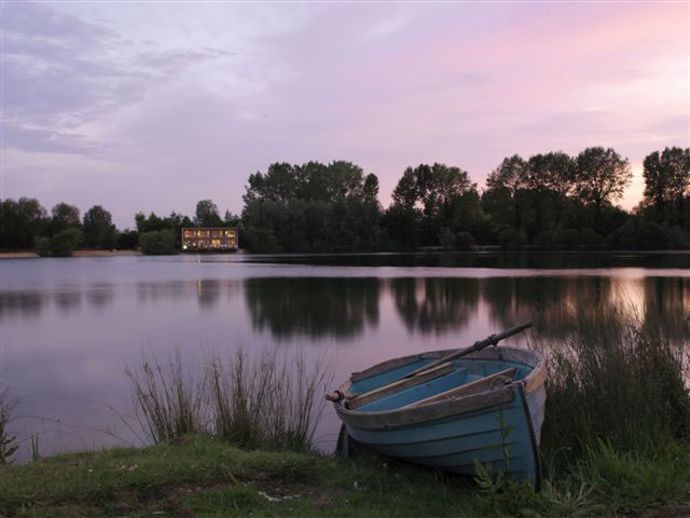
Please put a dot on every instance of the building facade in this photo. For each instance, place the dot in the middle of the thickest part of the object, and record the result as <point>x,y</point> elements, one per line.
<point>209,239</point>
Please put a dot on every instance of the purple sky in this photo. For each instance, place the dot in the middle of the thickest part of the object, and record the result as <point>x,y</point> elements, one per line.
<point>153,106</point>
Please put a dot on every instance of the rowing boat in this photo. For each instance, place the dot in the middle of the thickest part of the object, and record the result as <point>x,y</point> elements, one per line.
<point>452,410</point>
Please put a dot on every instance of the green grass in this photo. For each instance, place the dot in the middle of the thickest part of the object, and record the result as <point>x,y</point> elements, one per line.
<point>203,476</point>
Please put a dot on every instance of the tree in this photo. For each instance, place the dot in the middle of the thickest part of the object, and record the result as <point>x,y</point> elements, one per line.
<point>99,230</point>
<point>601,176</point>
<point>433,202</point>
<point>501,199</point>
<point>311,207</point>
<point>667,183</point>
<point>61,244</point>
<point>554,171</point>
<point>207,214</point>
<point>512,174</point>
<point>64,216</point>
<point>20,222</point>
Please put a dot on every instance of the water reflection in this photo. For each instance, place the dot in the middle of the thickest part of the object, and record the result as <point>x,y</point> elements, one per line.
<point>208,292</point>
<point>667,302</point>
<point>553,304</point>
<point>68,300</point>
<point>315,307</point>
<point>99,296</point>
<point>435,305</point>
<point>24,303</point>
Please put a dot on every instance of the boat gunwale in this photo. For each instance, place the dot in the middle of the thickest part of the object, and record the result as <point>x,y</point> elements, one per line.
<point>445,408</point>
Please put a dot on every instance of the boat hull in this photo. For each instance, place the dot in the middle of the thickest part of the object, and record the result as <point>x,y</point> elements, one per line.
<point>500,430</point>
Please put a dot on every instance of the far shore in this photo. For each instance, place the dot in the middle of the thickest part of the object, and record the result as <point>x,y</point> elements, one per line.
<point>422,251</point>
<point>76,253</point>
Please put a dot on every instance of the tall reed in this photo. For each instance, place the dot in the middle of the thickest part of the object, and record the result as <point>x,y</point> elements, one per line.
<point>8,442</point>
<point>270,403</point>
<point>169,404</point>
<point>616,380</point>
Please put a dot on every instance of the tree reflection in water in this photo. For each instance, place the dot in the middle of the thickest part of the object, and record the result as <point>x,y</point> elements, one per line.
<point>314,307</point>
<point>435,305</point>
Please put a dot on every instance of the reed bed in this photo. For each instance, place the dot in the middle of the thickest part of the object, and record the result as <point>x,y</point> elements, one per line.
<point>619,382</point>
<point>269,402</point>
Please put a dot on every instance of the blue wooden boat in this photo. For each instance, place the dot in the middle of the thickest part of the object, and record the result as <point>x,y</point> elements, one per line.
<point>440,409</point>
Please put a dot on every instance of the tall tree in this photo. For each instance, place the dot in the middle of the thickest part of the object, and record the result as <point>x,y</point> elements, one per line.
<point>20,222</point>
<point>64,216</point>
<point>98,227</point>
<point>667,182</point>
<point>554,171</point>
<point>207,214</point>
<point>438,197</point>
<point>601,176</point>
<point>501,199</point>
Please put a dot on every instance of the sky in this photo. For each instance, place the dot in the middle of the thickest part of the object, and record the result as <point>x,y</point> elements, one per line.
<point>152,106</point>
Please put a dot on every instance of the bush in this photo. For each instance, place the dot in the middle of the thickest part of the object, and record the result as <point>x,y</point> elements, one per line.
<point>447,239</point>
<point>158,242</point>
<point>42,246</point>
<point>127,240</point>
<point>464,241</point>
<point>61,244</point>
<point>511,238</point>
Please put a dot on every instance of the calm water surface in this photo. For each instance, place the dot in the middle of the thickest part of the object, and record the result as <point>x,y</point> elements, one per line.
<point>70,327</point>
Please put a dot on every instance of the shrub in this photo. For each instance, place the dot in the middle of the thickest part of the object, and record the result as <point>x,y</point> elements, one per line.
<point>447,239</point>
<point>511,238</point>
<point>42,246</point>
<point>158,242</point>
<point>127,240</point>
<point>61,244</point>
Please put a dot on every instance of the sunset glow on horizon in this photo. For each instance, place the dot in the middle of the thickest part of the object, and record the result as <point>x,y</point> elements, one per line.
<point>154,106</point>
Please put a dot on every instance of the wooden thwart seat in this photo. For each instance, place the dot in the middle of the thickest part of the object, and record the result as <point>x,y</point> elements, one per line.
<point>391,388</point>
<point>473,387</point>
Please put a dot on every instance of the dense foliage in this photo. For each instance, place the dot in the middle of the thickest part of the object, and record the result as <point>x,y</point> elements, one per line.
<point>312,208</point>
<point>550,200</point>
<point>158,242</point>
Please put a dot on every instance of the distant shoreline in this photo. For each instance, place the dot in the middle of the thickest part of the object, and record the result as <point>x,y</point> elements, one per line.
<point>479,251</point>
<point>76,253</point>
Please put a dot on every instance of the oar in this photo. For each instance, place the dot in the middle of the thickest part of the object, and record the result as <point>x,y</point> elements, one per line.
<point>336,395</point>
<point>477,346</point>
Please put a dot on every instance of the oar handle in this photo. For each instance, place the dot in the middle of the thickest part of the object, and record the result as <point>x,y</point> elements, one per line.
<point>477,346</point>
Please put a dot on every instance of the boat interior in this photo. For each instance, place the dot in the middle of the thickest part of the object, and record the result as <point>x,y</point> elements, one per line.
<point>464,372</point>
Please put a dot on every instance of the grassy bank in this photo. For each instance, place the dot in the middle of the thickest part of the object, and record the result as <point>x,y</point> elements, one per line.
<point>202,476</point>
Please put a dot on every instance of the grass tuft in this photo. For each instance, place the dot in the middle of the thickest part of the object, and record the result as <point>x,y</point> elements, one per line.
<point>267,404</point>
<point>169,404</point>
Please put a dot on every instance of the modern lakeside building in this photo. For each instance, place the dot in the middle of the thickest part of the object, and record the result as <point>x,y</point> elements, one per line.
<point>209,239</point>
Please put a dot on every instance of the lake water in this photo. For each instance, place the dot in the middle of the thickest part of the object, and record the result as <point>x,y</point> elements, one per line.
<point>70,327</point>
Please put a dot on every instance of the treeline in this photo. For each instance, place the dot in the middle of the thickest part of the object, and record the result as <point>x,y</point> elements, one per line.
<point>548,201</point>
